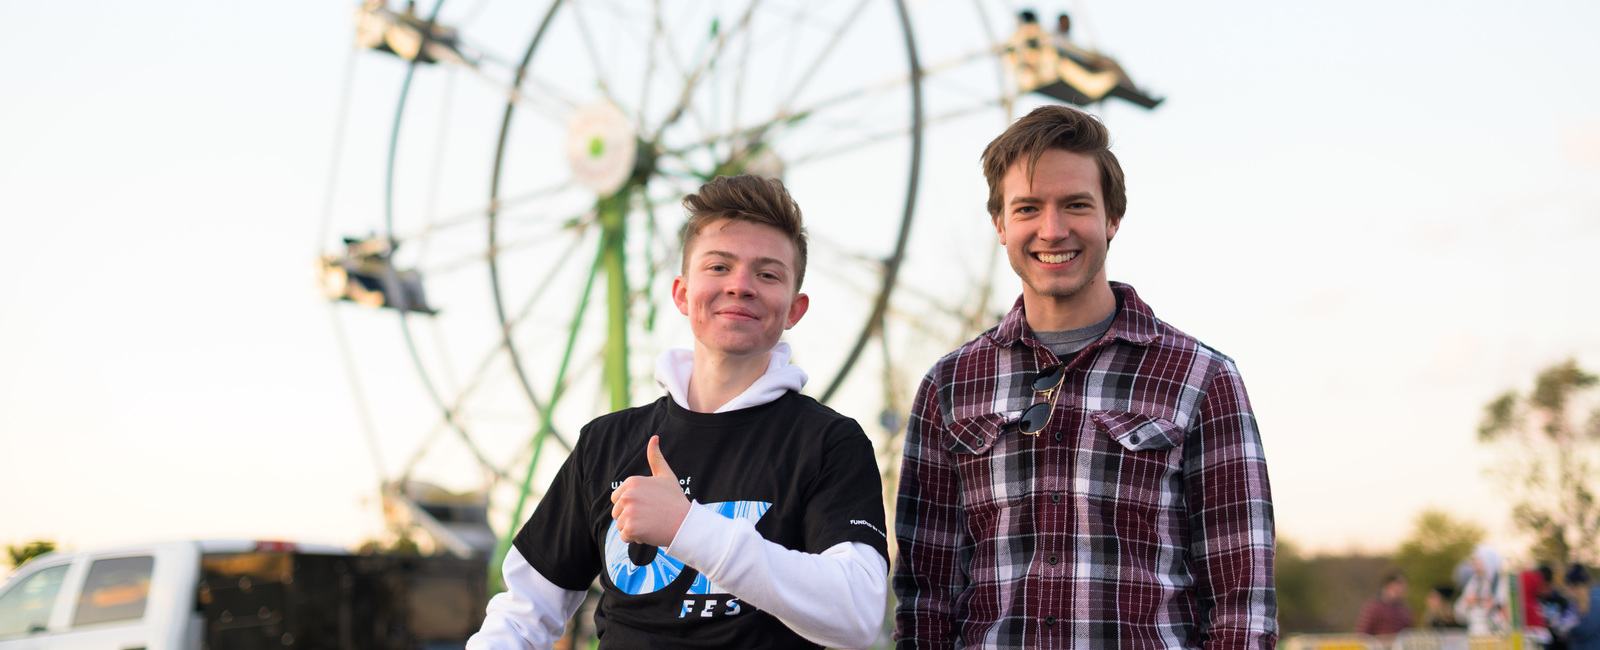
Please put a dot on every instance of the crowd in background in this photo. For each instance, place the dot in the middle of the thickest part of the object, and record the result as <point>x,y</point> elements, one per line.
<point>1494,601</point>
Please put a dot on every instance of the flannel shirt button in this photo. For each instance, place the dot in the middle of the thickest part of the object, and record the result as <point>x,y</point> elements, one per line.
<point>1051,560</point>
<point>1133,439</point>
<point>1055,497</point>
<point>1058,436</point>
<point>1050,620</point>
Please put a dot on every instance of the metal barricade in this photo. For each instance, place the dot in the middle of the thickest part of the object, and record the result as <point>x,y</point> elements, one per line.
<point>1424,639</point>
<point>1421,639</point>
<point>1332,642</point>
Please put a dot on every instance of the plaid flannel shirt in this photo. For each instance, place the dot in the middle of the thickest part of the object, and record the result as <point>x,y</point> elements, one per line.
<point>1140,517</point>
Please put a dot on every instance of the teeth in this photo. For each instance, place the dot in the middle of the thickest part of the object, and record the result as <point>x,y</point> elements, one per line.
<point>1056,259</point>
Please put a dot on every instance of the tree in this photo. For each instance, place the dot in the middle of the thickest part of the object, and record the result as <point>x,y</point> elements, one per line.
<point>1552,435</point>
<point>1429,557</point>
<point>1298,605</point>
<point>1322,594</point>
<point>25,552</point>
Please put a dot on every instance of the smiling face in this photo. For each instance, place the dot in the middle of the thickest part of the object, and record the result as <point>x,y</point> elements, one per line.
<point>738,288</point>
<point>1056,235</point>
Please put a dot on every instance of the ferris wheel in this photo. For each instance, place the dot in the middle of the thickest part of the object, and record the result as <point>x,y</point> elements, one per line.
<point>508,177</point>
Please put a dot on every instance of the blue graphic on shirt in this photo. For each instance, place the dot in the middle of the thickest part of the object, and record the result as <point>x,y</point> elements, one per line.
<point>658,574</point>
<point>633,579</point>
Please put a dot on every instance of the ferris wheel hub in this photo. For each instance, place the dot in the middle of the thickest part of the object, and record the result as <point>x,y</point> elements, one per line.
<point>602,147</point>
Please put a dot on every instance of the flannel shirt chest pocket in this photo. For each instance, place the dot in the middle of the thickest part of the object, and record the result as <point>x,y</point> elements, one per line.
<point>994,460</point>
<point>1130,459</point>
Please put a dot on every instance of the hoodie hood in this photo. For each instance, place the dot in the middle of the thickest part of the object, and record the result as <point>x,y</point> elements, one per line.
<point>674,366</point>
<point>1489,559</point>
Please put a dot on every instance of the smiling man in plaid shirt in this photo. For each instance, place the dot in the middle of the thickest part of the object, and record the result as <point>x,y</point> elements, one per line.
<point>1083,475</point>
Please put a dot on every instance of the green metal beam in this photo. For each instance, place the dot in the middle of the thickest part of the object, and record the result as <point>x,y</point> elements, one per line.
<point>546,427</point>
<point>613,212</point>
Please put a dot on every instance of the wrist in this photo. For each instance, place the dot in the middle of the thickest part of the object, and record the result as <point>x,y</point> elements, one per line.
<point>681,519</point>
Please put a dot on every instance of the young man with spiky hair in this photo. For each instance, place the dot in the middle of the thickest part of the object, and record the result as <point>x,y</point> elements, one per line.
<point>1083,475</point>
<point>766,527</point>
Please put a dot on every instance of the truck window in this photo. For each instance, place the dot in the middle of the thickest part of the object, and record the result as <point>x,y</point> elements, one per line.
<point>25,608</point>
<point>115,590</point>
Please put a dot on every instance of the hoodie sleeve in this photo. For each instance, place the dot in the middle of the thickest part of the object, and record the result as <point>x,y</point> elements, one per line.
<point>531,614</point>
<point>835,598</point>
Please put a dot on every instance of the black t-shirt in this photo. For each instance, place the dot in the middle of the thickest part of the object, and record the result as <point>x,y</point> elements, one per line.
<point>803,473</point>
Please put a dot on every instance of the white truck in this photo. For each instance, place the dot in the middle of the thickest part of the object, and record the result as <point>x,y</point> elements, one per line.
<point>237,595</point>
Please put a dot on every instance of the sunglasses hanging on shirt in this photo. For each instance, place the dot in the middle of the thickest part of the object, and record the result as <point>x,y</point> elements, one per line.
<point>1046,383</point>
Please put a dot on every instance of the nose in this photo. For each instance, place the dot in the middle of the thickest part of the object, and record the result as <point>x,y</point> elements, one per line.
<point>1053,227</point>
<point>740,284</point>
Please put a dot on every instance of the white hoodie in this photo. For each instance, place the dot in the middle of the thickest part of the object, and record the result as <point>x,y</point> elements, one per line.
<point>836,598</point>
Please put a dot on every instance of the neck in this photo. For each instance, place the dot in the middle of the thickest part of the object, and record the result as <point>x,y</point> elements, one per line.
<point>718,378</point>
<point>1083,308</point>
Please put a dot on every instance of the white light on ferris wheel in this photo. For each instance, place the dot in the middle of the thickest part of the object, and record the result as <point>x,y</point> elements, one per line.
<point>601,147</point>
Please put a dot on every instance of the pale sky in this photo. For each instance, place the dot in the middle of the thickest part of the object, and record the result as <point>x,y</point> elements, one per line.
<point>1384,212</point>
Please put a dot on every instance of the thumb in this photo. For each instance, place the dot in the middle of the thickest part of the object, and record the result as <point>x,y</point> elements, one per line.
<point>658,463</point>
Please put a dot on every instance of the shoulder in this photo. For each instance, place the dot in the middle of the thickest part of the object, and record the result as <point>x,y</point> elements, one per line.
<point>1139,325</point>
<point>1204,355</point>
<point>628,416</point>
<point>807,411</point>
<point>627,427</point>
<point>980,350</point>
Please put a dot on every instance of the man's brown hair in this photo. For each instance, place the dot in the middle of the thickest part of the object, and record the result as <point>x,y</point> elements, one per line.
<point>1054,127</point>
<point>746,197</point>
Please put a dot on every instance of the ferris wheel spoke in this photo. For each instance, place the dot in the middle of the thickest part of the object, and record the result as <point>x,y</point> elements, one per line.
<point>473,216</point>
<point>823,55</point>
<point>369,430</point>
<point>541,99</point>
<point>534,94</point>
<point>792,47</point>
<point>792,117</point>
<point>650,61</point>
<point>439,147</point>
<point>547,425</point>
<point>693,79</point>
<point>738,83</point>
<point>866,261</point>
<point>480,373</point>
<point>873,138</point>
<point>457,264</point>
<point>792,114</point>
<point>660,37</point>
<point>601,78</point>
<point>451,415</point>
<point>546,283</point>
<point>471,15</point>
<point>682,71</point>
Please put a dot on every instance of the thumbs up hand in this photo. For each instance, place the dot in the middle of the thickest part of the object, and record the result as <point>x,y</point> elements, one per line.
<point>649,509</point>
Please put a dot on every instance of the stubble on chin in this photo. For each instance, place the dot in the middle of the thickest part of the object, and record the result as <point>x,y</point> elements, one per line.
<point>1050,286</point>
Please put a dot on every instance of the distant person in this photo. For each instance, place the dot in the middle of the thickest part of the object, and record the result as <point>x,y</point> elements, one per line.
<point>1387,613</point>
<point>1438,612</point>
<point>1586,634</point>
<point>1094,61</point>
<point>733,512</point>
<point>1482,606</point>
<point>1535,585</point>
<point>1557,610</point>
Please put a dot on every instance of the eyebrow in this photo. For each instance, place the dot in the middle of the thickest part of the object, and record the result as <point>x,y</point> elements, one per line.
<point>759,261</point>
<point>1080,196</point>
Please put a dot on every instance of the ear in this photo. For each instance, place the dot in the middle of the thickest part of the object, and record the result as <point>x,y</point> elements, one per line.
<point>1111,228</point>
<point>999,226</point>
<point>797,308</point>
<point>680,294</point>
